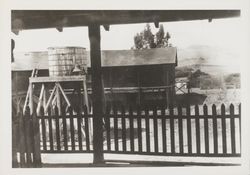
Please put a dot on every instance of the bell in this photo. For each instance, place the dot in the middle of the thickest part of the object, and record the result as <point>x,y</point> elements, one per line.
<point>77,69</point>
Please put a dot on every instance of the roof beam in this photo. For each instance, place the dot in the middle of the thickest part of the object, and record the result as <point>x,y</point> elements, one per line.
<point>37,19</point>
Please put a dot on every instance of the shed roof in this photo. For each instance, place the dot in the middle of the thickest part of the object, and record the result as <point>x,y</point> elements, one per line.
<point>110,58</point>
<point>139,57</point>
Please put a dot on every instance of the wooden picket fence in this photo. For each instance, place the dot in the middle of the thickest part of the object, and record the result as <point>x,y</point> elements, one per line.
<point>174,132</point>
<point>179,131</point>
<point>68,133</point>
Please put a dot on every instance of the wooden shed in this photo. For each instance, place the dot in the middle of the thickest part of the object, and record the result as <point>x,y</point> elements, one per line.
<point>140,77</point>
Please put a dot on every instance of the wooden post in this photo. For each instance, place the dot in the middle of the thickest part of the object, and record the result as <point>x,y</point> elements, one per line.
<point>27,136</point>
<point>50,99</point>
<point>31,99</point>
<point>85,90</point>
<point>40,100</point>
<point>139,86</point>
<point>97,90</point>
<point>21,141</point>
<point>111,85</point>
<point>86,101</point>
<point>45,97</point>
<point>167,89</point>
<point>58,103</point>
<point>15,132</point>
<point>16,92</point>
<point>36,147</point>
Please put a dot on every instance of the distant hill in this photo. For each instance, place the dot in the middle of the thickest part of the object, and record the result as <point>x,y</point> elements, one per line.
<point>208,67</point>
<point>208,59</point>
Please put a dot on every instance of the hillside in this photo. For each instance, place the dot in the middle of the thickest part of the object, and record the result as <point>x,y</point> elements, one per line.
<point>211,60</point>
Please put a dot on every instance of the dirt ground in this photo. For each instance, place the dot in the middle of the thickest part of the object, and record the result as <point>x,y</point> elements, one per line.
<point>219,96</point>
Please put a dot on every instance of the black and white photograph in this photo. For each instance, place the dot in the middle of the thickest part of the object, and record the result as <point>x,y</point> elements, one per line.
<point>127,88</point>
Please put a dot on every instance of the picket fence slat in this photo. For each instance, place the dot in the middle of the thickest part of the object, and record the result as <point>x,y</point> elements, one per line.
<point>79,130</point>
<point>107,120</point>
<point>223,129</point>
<point>139,129</point>
<point>232,123</point>
<point>180,127</point>
<point>72,130</point>
<point>116,129</point>
<point>197,130</point>
<point>44,141</point>
<point>22,141</point>
<point>131,125</point>
<point>37,160</point>
<point>147,131</point>
<point>164,138</point>
<point>27,137</point>
<point>65,138</point>
<point>58,144</point>
<point>189,130</point>
<point>172,125</point>
<point>155,126</point>
<point>215,129</point>
<point>87,137</point>
<point>206,130</point>
<point>124,143</point>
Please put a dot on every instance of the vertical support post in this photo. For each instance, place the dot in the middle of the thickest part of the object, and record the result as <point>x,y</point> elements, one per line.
<point>86,94</point>
<point>138,85</point>
<point>31,99</point>
<point>16,92</point>
<point>111,85</point>
<point>40,100</point>
<point>58,102</point>
<point>15,134</point>
<point>45,97</point>
<point>167,88</point>
<point>86,101</point>
<point>36,139</point>
<point>97,89</point>
<point>172,83</point>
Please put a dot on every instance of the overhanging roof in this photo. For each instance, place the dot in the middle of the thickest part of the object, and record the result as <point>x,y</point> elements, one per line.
<point>37,19</point>
<point>110,58</point>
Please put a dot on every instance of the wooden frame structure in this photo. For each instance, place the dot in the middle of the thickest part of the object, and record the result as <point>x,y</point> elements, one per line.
<point>57,91</point>
<point>57,95</point>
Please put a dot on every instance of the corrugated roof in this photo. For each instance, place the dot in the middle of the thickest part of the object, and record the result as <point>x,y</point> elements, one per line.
<point>39,60</point>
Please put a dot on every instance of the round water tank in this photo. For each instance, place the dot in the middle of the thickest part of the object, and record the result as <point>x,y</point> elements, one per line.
<point>63,60</point>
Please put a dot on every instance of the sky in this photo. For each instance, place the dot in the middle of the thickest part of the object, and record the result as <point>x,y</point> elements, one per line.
<point>219,33</point>
<point>222,37</point>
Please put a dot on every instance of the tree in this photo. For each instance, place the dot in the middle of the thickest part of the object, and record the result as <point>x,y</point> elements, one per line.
<point>147,40</point>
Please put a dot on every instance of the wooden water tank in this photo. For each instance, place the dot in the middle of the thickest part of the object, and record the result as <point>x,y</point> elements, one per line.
<point>62,60</point>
